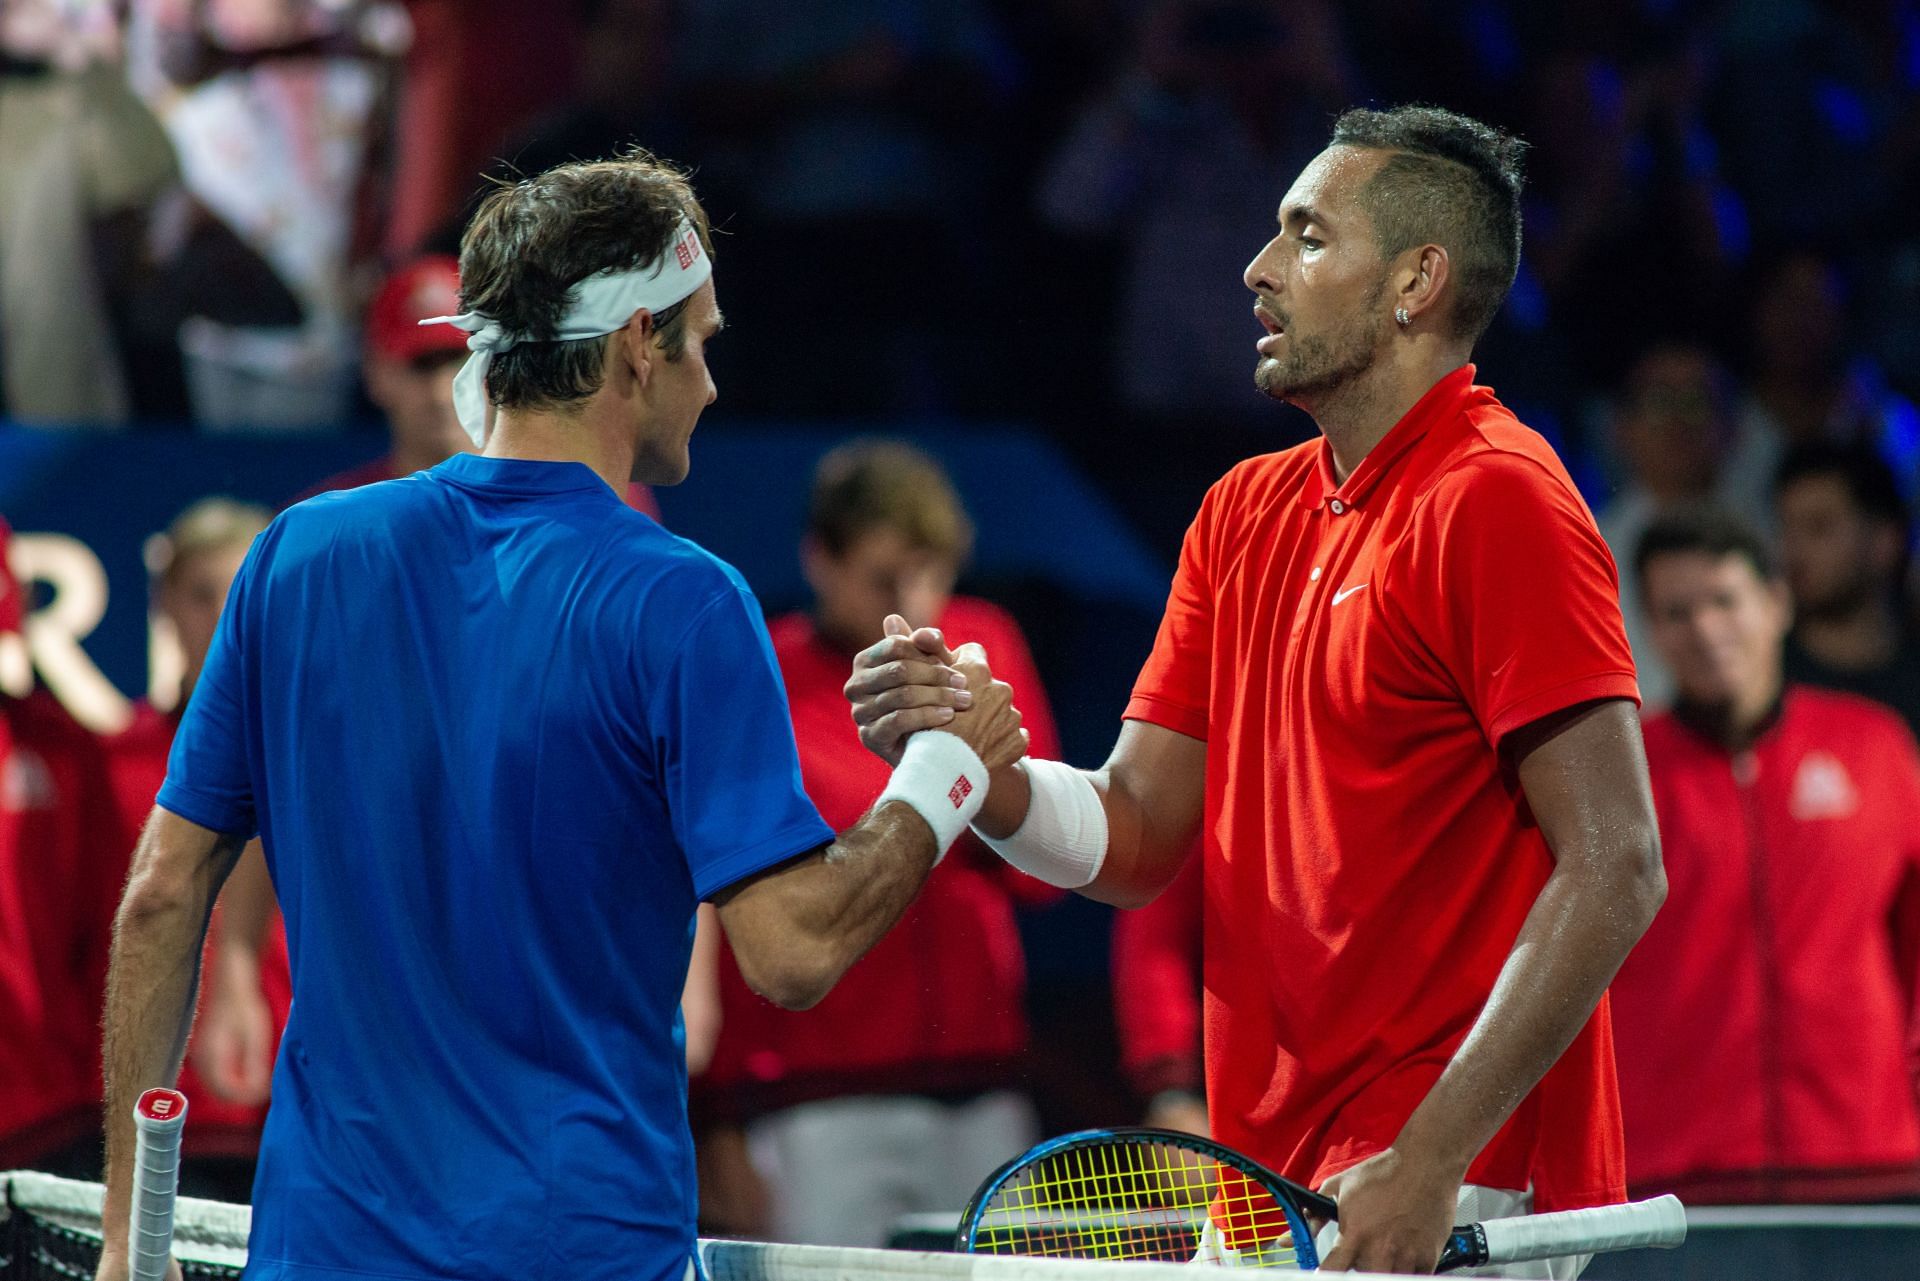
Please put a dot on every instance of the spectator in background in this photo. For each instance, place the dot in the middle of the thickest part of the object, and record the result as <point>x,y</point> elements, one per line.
<point>1628,204</point>
<point>627,92</point>
<point>901,1090</point>
<point>1804,385</point>
<point>1845,539</point>
<point>1176,160</point>
<point>848,142</point>
<point>82,162</point>
<point>59,879</point>
<point>246,989</point>
<point>272,106</point>
<point>1673,428</point>
<point>1156,1003</point>
<point>1765,1022</point>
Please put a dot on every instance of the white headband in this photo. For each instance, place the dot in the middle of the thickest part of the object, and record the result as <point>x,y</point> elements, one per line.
<point>601,304</point>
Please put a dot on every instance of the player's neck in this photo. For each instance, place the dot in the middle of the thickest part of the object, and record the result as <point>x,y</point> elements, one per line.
<point>1358,414</point>
<point>577,437</point>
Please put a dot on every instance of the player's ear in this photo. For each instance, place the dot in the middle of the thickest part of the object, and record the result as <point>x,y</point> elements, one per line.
<point>1423,276</point>
<point>634,345</point>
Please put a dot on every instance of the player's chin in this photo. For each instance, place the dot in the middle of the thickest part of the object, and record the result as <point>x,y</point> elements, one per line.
<point>1270,378</point>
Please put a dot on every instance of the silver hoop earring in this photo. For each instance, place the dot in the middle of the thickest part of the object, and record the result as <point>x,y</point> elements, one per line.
<point>1400,314</point>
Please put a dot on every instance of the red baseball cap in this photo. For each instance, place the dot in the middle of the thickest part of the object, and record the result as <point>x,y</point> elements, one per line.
<point>427,286</point>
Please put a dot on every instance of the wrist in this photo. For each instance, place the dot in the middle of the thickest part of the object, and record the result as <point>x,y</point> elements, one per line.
<point>941,778</point>
<point>1005,808</point>
<point>1062,840</point>
<point>1428,1146</point>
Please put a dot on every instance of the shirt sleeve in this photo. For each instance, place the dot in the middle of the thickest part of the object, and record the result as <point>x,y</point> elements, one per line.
<point>208,779</point>
<point>724,735</point>
<point>1172,690</point>
<point>1527,619</point>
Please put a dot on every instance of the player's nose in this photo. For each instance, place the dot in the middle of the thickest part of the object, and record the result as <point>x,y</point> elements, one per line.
<point>1263,273</point>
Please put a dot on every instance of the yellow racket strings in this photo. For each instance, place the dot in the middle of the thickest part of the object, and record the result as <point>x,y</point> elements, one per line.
<point>1135,1200</point>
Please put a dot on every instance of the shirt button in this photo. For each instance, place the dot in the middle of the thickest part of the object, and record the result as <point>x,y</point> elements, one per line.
<point>1339,508</point>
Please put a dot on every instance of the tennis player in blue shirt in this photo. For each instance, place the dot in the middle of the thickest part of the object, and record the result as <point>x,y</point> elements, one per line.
<point>500,734</point>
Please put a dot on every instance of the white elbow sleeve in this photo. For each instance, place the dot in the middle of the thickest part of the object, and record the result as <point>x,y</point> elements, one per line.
<point>945,782</point>
<point>1063,839</point>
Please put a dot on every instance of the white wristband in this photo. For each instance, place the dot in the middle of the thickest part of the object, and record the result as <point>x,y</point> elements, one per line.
<point>943,779</point>
<point>1063,839</point>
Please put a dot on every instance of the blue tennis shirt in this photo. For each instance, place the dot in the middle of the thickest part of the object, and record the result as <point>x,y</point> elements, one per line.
<point>499,734</point>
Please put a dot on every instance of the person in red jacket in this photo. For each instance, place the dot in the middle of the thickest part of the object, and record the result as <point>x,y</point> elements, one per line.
<point>246,989</point>
<point>1156,1003</point>
<point>900,1091</point>
<point>54,922</point>
<point>1765,1023</point>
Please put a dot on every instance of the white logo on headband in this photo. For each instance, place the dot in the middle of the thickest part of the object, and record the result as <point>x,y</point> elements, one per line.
<point>601,304</point>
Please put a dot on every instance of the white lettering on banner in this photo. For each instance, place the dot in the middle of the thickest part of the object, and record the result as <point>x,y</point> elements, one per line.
<point>16,665</point>
<point>54,630</point>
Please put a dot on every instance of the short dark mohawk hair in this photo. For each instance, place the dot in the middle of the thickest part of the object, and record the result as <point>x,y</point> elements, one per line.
<point>1452,181</point>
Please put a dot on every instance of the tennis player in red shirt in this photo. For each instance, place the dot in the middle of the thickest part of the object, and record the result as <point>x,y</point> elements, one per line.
<point>1393,692</point>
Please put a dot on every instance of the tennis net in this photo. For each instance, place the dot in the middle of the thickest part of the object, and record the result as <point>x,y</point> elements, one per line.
<point>50,1231</point>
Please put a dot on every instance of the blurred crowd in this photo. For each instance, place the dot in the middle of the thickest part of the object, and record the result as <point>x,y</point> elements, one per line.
<point>232,213</point>
<point>1037,210</point>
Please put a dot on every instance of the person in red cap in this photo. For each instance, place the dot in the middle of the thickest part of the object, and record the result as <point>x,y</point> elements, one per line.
<point>409,367</point>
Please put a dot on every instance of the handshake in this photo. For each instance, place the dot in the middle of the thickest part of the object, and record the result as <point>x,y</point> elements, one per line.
<point>910,681</point>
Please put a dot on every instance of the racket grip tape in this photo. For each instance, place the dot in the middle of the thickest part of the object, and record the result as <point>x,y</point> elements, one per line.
<point>157,1121</point>
<point>1657,1224</point>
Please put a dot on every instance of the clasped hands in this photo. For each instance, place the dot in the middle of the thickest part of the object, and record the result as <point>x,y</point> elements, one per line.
<point>910,681</point>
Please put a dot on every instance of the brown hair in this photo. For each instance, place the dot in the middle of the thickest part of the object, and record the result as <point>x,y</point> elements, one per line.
<point>530,243</point>
<point>867,485</point>
<point>212,524</point>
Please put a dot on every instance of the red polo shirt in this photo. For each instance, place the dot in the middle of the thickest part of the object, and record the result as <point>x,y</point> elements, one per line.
<point>1353,654</point>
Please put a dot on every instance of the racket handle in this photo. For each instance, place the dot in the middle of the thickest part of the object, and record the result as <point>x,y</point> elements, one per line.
<point>157,1119</point>
<point>1659,1224</point>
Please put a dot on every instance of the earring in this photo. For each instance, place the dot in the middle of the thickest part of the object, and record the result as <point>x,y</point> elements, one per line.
<point>1400,314</point>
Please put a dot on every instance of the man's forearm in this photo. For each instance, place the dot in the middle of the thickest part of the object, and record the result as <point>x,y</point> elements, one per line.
<point>1580,929</point>
<point>151,984</point>
<point>1141,857</point>
<point>797,930</point>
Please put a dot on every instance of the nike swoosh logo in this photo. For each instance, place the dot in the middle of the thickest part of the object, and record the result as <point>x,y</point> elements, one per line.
<point>1342,595</point>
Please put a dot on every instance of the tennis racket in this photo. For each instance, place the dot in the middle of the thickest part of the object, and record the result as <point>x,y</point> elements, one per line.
<point>157,1119</point>
<point>1177,1198</point>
